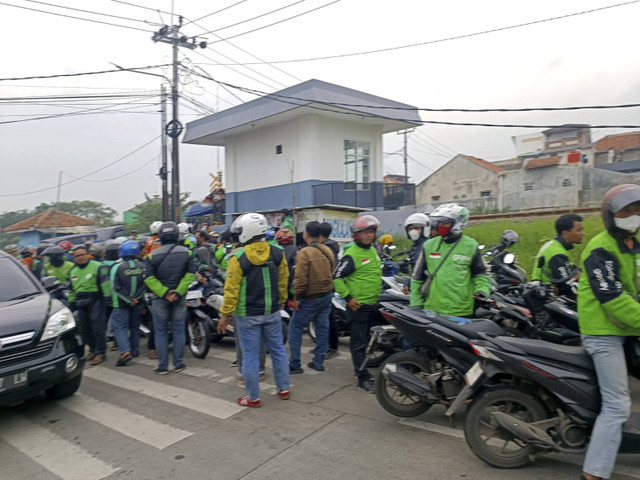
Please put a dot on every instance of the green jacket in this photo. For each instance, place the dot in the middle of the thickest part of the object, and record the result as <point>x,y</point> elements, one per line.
<point>62,272</point>
<point>359,275</point>
<point>460,277</point>
<point>93,278</point>
<point>552,261</point>
<point>608,288</point>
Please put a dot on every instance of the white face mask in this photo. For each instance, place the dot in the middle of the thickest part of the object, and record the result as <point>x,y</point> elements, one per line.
<point>414,234</point>
<point>630,224</point>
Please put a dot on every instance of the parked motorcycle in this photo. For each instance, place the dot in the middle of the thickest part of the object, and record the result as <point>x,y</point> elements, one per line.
<point>507,276</point>
<point>531,396</point>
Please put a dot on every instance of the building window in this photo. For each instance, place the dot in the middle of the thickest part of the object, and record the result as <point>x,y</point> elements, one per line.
<point>356,163</point>
<point>278,149</point>
<point>528,186</point>
<point>566,182</point>
<point>485,193</point>
<point>435,198</point>
<point>463,196</point>
<point>455,197</point>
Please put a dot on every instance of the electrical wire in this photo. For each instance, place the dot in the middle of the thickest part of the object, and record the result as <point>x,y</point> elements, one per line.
<point>76,18</point>
<point>213,13</point>
<point>421,133</point>
<point>89,11</point>
<point>143,7</point>
<point>447,39</point>
<point>99,72</point>
<point>83,176</point>
<point>115,178</point>
<point>279,22</point>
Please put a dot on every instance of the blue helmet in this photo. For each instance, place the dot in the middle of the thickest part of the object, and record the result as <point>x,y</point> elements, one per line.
<point>270,234</point>
<point>130,248</point>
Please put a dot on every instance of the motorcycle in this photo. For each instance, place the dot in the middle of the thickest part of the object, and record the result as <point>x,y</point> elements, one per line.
<point>531,396</point>
<point>390,267</point>
<point>507,276</point>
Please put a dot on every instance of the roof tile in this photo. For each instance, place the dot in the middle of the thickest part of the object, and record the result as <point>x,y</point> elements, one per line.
<point>51,218</point>
<point>485,164</point>
<point>620,142</point>
<point>542,162</point>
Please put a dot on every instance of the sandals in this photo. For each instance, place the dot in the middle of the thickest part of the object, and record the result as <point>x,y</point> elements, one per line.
<point>247,402</point>
<point>284,394</point>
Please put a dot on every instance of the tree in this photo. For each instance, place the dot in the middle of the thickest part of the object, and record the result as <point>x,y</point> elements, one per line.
<point>151,211</point>
<point>83,208</point>
<point>9,218</point>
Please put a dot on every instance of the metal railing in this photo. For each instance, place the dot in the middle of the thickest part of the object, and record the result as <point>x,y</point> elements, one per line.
<point>364,195</point>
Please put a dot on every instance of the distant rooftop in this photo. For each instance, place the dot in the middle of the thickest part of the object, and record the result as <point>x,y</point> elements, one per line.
<point>620,142</point>
<point>542,162</point>
<point>48,220</point>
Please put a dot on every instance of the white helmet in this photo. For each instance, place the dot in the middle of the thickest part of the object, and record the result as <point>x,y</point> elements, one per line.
<point>183,227</point>
<point>249,225</point>
<point>452,212</point>
<point>419,220</point>
<point>154,228</point>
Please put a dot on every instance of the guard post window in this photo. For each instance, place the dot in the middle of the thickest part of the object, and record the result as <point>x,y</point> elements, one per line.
<point>356,164</point>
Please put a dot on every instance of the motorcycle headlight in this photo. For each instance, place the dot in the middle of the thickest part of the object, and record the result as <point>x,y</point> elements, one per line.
<point>58,323</point>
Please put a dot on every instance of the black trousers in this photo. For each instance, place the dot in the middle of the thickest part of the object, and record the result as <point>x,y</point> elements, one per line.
<point>360,322</point>
<point>93,326</point>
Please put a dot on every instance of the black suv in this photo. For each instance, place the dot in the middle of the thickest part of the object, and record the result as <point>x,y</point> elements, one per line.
<point>40,346</point>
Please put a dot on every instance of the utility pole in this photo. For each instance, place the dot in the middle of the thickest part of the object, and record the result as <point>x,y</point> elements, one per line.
<point>59,187</point>
<point>405,154</point>
<point>174,128</point>
<point>163,169</point>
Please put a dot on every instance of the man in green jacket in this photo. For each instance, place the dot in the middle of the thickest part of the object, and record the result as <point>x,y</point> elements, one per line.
<point>609,312</point>
<point>89,285</point>
<point>452,265</point>
<point>552,261</point>
<point>358,278</point>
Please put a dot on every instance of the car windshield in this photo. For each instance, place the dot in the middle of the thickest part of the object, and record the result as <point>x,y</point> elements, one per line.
<point>15,282</point>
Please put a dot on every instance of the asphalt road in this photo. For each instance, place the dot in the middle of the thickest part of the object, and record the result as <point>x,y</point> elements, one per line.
<point>127,423</point>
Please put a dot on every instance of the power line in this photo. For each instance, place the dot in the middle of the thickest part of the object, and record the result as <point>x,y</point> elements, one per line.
<point>88,11</point>
<point>83,176</point>
<point>280,21</point>
<point>76,18</point>
<point>115,178</point>
<point>419,132</point>
<point>143,7</point>
<point>447,39</point>
<point>99,72</point>
<point>213,13</point>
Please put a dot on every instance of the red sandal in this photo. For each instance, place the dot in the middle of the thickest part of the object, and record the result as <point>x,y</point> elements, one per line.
<point>284,394</point>
<point>247,402</point>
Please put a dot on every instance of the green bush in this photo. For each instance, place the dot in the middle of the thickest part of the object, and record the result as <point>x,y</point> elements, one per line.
<point>533,233</point>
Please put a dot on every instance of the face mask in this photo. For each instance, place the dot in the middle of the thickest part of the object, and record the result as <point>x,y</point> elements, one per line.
<point>630,224</point>
<point>444,231</point>
<point>414,234</point>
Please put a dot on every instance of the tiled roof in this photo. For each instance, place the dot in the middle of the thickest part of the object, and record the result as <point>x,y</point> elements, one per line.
<point>620,142</point>
<point>51,218</point>
<point>542,162</point>
<point>485,164</point>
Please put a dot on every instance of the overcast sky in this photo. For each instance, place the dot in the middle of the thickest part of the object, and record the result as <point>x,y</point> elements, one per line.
<point>584,59</point>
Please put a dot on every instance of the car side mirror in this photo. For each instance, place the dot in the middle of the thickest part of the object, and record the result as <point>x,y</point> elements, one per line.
<point>50,283</point>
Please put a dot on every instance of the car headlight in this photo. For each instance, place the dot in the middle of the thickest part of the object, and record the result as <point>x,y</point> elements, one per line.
<point>59,322</point>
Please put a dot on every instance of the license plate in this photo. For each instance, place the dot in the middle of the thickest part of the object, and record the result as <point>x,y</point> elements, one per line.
<point>473,374</point>
<point>13,381</point>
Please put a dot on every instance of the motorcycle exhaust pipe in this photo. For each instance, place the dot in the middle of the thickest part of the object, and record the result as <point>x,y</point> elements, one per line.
<point>523,431</point>
<point>407,382</point>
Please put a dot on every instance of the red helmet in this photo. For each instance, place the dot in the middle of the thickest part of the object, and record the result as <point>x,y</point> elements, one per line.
<point>364,222</point>
<point>284,236</point>
<point>616,199</point>
<point>65,245</point>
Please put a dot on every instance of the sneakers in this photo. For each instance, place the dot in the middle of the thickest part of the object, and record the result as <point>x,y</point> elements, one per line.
<point>160,371</point>
<point>123,359</point>
<point>284,394</point>
<point>179,368</point>
<point>313,366</point>
<point>153,355</point>
<point>90,356</point>
<point>234,363</point>
<point>247,402</point>
<point>294,371</point>
<point>98,359</point>
<point>366,385</point>
<point>331,353</point>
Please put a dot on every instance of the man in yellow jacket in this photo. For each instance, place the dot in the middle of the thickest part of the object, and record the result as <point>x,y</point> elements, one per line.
<point>255,291</point>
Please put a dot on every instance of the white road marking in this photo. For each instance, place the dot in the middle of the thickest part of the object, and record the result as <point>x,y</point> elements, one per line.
<point>199,402</point>
<point>54,453</point>
<point>138,427</point>
<point>199,372</point>
<point>431,427</point>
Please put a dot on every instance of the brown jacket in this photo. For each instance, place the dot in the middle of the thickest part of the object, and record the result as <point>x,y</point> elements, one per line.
<point>314,271</point>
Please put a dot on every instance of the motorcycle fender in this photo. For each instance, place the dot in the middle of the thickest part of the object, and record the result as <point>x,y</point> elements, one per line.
<point>470,389</point>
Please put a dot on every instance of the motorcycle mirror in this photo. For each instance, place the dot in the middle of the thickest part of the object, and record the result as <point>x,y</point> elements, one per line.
<point>391,247</point>
<point>509,258</point>
<point>481,247</point>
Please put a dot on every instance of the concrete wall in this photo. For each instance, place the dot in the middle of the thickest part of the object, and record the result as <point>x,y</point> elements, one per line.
<point>459,180</point>
<point>611,156</point>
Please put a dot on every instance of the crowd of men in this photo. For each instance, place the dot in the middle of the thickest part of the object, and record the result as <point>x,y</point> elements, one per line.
<point>108,283</point>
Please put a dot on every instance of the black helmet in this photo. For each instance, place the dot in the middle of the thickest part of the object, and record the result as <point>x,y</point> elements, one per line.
<point>41,248</point>
<point>509,238</point>
<point>25,251</point>
<point>616,199</point>
<point>168,233</point>
<point>54,250</point>
<point>142,241</point>
<point>112,251</point>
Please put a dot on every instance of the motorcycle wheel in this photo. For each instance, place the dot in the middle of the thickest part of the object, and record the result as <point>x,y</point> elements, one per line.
<point>199,341</point>
<point>377,359</point>
<point>491,445</point>
<point>391,397</point>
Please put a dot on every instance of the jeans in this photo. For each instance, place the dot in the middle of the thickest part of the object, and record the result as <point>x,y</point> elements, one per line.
<point>126,327</point>
<point>316,309</point>
<point>252,330</point>
<point>607,353</point>
<point>165,313</point>
<point>263,352</point>
<point>93,327</point>
<point>360,322</point>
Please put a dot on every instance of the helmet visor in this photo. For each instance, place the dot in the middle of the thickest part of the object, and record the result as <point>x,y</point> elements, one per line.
<point>624,198</point>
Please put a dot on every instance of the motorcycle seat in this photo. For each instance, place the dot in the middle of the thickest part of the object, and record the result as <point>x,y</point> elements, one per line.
<point>573,355</point>
<point>466,326</point>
